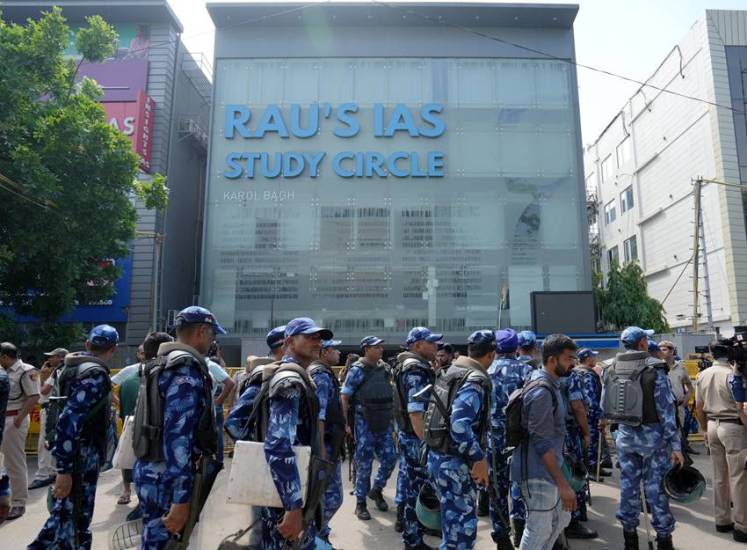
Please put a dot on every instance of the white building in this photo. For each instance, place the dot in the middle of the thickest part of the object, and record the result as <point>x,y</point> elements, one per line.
<point>642,165</point>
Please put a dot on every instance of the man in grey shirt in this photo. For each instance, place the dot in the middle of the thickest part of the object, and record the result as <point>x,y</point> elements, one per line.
<point>537,462</point>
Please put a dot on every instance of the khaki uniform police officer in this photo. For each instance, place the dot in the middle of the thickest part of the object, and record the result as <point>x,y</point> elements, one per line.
<point>24,394</point>
<point>726,437</point>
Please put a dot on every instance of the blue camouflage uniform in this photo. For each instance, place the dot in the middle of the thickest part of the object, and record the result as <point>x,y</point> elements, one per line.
<point>368,443</point>
<point>326,391</point>
<point>236,424</point>
<point>571,388</point>
<point>736,385</point>
<point>69,523</point>
<point>456,490</point>
<point>644,453</point>
<point>506,374</point>
<point>289,423</point>
<point>591,387</point>
<point>161,484</point>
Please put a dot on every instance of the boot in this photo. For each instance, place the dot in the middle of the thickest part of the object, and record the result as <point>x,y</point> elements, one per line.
<point>361,511</point>
<point>664,543</point>
<point>518,525</point>
<point>378,498</point>
<point>399,523</point>
<point>631,540</point>
<point>504,543</point>
<point>607,463</point>
<point>421,546</point>
<point>577,531</point>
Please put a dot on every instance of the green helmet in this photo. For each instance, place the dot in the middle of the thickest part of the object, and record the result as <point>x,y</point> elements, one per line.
<point>685,484</point>
<point>574,472</point>
<point>428,508</point>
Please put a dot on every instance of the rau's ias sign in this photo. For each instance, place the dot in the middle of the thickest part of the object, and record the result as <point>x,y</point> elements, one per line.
<point>305,123</point>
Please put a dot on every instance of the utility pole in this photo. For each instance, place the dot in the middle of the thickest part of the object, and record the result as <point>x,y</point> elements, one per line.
<point>698,183</point>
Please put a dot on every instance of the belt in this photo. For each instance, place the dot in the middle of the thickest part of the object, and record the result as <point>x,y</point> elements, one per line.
<point>11,413</point>
<point>727,420</point>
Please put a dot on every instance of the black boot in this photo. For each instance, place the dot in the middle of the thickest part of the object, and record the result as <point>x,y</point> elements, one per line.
<point>631,540</point>
<point>577,531</point>
<point>361,511</point>
<point>504,543</point>
<point>399,525</point>
<point>421,546</point>
<point>607,463</point>
<point>483,504</point>
<point>378,498</point>
<point>664,543</point>
<point>518,525</point>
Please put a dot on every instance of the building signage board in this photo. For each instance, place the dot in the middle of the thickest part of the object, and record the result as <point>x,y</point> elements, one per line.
<point>135,120</point>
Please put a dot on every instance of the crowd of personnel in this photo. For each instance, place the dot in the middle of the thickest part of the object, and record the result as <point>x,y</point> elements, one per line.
<point>512,430</point>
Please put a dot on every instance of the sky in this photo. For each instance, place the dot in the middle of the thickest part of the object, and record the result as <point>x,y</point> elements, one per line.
<point>627,37</point>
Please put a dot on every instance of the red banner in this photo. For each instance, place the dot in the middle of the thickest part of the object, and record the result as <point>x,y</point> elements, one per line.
<point>135,120</point>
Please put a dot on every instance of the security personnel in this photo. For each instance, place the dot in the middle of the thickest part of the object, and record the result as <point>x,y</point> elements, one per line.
<point>591,386</point>
<point>577,441</point>
<point>648,445</point>
<point>412,374</point>
<point>45,467</point>
<point>24,394</point>
<point>80,442</point>
<point>726,437</point>
<point>292,409</point>
<point>333,421</point>
<point>4,481</point>
<point>367,386</point>
<point>507,374</point>
<point>527,352</point>
<point>457,463</point>
<point>164,486</point>
<point>276,342</point>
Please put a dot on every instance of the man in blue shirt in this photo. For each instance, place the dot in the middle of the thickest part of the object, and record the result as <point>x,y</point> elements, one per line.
<point>537,462</point>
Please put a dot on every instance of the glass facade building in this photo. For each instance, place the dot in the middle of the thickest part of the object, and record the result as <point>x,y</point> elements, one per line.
<point>379,193</point>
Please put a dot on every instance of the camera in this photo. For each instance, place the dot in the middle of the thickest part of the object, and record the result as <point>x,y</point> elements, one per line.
<point>737,348</point>
<point>704,357</point>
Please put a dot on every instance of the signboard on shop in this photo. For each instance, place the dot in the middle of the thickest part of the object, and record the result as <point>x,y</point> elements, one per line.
<point>135,120</point>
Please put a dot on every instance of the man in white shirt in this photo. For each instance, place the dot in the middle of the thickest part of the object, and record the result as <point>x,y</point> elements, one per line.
<point>682,388</point>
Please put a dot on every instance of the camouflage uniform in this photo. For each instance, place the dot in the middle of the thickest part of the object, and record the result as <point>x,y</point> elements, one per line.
<point>591,386</point>
<point>161,484</point>
<point>289,423</point>
<point>451,475</point>
<point>644,453</point>
<point>326,391</point>
<point>69,523</point>
<point>506,374</point>
<point>413,380</point>
<point>368,443</point>
<point>571,388</point>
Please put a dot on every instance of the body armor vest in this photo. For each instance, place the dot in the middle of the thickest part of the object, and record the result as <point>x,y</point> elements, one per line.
<point>629,389</point>
<point>438,426</point>
<point>375,397</point>
<point>405,362</point>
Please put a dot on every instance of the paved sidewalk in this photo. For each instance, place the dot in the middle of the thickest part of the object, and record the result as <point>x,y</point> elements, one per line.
<point>694,523</point>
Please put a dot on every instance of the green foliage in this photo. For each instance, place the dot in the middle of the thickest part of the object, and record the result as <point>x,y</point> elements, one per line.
<point>153,193</point>
<point>9,329</point>
<point>624,301</point>
<point>46,336</point>
<point>97,41</point>
<point>68,205</point>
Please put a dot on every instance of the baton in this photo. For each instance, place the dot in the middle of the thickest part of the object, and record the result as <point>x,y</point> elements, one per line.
<point>645,518</point>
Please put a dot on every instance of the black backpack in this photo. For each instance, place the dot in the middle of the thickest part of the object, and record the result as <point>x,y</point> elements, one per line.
<point>516,433</point>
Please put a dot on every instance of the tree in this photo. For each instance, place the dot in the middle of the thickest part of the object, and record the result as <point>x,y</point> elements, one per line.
<point>67,179</point>
<point>624,301</point>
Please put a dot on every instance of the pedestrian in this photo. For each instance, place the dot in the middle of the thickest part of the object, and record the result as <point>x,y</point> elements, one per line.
<point>591,385</point>
<point>527,352</point>
<point>79,441</point>
<point>507,374</point>
<point>291,408</point>
<point>682,388</point>
<point>536,463</point>
<point>412,374</point>
<point>223,386</point>
<point>457,462</point>
<point>164,473</point>
<point>24,394</point>
<point>367,404</point>
<point>444,357</point>
<point>45,466</point>
<point>647,438</point>
<point>577,443</point>
<point>333,426</point>
<point>4,480</point>
<point>126,383</point>
<point>720,417</point>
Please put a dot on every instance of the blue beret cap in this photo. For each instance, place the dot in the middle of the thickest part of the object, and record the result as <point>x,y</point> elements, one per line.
<point>305,325</point>
<point>369,341</point>
<point>103,335</point>
<point>194,315</point>
<point>481,337</point>
<point>422,333</point>
<point>275,337</point>
<point>586,352</point>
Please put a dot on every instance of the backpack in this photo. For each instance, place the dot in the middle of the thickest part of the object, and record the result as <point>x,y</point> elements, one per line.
<point>629,386</point>
<point>149,411</point>
<point>516,432</point>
